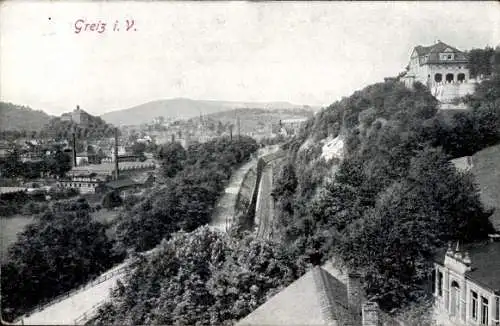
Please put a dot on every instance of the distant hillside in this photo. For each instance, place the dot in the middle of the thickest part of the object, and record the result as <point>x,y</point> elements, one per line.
<point>252,120</point>
<point>17,117</point>
<point>85,125</point>
<point>182,108</point>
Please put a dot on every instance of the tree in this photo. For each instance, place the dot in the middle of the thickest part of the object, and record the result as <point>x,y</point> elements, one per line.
<point>59,163</point>
<point>200,278</point>
<point>480,62</point>
<point>138,148</point>
<point>172,156</point>
<point>60,251</point>
<point>112,199</point>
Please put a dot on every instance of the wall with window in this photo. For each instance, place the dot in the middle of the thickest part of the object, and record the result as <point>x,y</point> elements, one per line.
<point>463,300</point>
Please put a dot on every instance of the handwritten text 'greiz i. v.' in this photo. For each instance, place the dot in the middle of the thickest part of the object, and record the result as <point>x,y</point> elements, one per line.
<point>83,25</point>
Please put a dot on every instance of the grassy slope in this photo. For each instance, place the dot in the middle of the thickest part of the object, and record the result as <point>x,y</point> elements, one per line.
<point>487,171</point>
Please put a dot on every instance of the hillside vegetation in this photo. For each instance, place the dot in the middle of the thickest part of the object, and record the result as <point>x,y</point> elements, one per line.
<point>17,117</point>
<point>395,198</point>
<point>95,128</point>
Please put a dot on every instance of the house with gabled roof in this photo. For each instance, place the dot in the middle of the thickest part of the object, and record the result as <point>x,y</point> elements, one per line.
<point>442,68</point>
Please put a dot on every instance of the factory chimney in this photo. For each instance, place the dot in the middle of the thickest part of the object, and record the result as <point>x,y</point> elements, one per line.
<point>239,129</point>
<point>116,154</point>
<point>74,149</point>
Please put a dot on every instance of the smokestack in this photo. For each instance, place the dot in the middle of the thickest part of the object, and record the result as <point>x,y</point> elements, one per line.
<point>231,132</point>
<point>173,137</point>
<point>116,154</point>
<point>354,293</point>
<point>238,124</point>
<point>370,314</point>
<point>74,149</point>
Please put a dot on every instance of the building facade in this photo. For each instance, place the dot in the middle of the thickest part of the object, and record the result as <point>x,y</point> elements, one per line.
<point>85,184</point>
<point>442,68</point>
<point>467,286</point>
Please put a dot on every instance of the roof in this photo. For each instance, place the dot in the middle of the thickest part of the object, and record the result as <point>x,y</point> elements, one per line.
<point>433,52</point>
<point>317,298</point>
<point>485,258</point>
<point>121,183</point>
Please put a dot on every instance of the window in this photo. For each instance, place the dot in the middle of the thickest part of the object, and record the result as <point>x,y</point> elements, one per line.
<point>449,57</point>
<point>497,310</point>
<point>455,299</point>
<point>484,311</point>
<point>474,305</point>
<point>440,284</point>
<point>433,281</point>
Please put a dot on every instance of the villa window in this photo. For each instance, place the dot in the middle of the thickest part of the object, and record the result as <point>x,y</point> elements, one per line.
<point>455,299</point>
<point>440,284</point>
<point>497,310</point>
<point>484,311</point>
<point>474,305</point>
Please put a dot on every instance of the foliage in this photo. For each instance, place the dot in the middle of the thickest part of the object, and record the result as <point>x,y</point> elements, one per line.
<point>61,250</point>
<point>94,128</point>
<point>188,197</point>
<point>112,199</point>
<point>199,278</point>
<point>138,148</point>
<point>172,156</point>
<point>56,164</point>
<point>395,198</point>
<point>480,61</point>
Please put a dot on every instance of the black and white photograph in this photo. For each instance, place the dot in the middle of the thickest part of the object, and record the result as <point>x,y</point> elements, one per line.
<point>250,163</point>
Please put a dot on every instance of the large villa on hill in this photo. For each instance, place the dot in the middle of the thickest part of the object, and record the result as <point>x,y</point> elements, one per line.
<point>437,63</point>
<point>442,68</point>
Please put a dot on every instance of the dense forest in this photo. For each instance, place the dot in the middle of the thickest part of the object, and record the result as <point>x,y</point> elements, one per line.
<point>193,181</point>
<point>200,278</point>
<point>395,198</point>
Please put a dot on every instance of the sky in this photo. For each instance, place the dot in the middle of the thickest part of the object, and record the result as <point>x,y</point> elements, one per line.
<point>304,53</point>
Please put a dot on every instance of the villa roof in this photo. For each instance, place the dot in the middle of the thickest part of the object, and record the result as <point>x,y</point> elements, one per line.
<point>433,53</point>
<point>317,298</point>
<point>485,258</point>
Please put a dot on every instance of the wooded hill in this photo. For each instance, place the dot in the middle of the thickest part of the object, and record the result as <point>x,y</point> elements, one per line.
<point>17,117</point>
<point>395,198</point>
<point>93,128</point>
